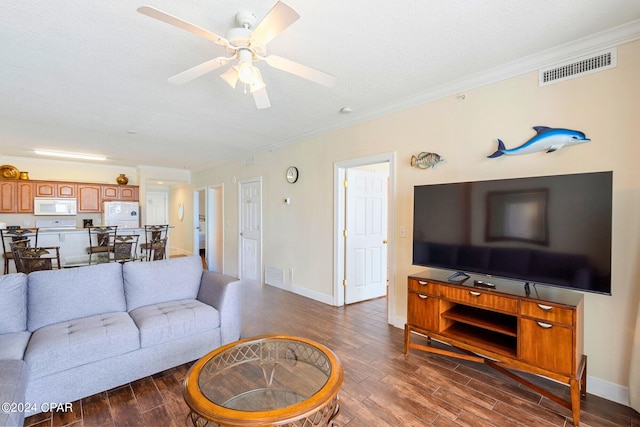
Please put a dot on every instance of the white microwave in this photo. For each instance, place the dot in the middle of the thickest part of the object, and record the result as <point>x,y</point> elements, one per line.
<point>53,206</point>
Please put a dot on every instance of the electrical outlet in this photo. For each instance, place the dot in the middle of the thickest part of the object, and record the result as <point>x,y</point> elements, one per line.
<point>403,231</point>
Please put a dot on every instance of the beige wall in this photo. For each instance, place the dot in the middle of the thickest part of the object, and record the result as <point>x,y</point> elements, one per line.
<point>59,170</point>
<point>604,105</point>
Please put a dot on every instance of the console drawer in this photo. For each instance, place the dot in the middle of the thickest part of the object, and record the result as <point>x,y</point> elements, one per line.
<point>479,298</point>
<point>548,312</point>
<point>423,286</point>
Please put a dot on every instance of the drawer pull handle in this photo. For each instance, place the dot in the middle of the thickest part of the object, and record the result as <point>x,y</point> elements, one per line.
<point>475,294</point>
<point>421,283</point>
<point>422,296</point>
<point>545,307</point>
<point>544,325</point>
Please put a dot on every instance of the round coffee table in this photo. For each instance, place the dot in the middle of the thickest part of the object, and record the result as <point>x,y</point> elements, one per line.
<point>270,380</point>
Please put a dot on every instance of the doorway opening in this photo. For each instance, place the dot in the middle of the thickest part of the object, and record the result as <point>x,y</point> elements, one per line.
<point>208,230</point>
<point>351,257</point>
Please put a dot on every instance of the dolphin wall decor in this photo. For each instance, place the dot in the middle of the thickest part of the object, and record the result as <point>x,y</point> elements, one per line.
<point>546,139</point>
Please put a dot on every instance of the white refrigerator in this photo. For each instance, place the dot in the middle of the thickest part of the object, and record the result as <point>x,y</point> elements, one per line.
<point>122,214</point>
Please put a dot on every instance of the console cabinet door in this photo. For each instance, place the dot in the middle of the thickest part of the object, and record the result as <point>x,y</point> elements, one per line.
<point>422,311</point>
<point>89,198</point>
<point>547,346</point>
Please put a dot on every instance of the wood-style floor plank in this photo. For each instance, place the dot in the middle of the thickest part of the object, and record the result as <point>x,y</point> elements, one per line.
<point>382,387</point>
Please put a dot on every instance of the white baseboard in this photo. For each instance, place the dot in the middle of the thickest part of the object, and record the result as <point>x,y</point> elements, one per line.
<point>608,390</point>
<point>317,296</point>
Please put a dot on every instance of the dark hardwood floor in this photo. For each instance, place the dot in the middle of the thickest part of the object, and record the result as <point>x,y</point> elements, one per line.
<point>382,387</point>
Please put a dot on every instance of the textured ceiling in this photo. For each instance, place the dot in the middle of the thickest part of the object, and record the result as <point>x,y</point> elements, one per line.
<point>91,76</point>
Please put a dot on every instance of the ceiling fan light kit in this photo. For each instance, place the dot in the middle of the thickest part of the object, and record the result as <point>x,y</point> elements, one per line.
<point>245,44</point>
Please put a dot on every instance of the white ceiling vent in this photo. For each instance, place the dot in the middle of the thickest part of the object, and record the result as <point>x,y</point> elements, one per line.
<point>579,67</point>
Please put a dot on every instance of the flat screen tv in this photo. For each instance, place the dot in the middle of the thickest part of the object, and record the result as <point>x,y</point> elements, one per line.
<point>548,230</point>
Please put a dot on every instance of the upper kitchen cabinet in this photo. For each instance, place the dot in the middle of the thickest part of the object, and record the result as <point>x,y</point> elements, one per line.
<point>24,199</point>
<point>16,196</point>
<point>127,193</point>
<point>55,189</point>
<point>89,198</point>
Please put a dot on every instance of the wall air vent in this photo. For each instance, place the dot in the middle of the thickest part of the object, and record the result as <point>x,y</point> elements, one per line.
<point>579,67</point>
<point>249,160</point>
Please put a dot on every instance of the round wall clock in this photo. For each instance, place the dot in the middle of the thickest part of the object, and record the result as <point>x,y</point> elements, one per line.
<point>292,174</point>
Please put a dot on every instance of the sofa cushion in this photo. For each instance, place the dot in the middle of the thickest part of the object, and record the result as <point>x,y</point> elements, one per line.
<point>168,321</point>
<point>67,344</point>
<point>147,283</point>
<point>12,345</point>
<point>59,295</point>
<point>13,303</point>
<point>13,385</point>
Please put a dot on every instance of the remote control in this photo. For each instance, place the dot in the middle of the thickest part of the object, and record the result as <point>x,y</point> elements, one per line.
<point>483,284</point>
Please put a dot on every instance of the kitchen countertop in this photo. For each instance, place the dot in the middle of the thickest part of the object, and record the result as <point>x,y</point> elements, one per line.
<point>81,230</point>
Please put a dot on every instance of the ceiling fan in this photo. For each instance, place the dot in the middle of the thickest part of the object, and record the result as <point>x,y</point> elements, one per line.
<point>245,45</point>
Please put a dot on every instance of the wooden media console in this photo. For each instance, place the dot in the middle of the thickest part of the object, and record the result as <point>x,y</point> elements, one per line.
<point>539,331</point>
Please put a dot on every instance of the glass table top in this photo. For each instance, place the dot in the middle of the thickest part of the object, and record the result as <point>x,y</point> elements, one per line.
<point>269,380</point>
<point>264,375</point>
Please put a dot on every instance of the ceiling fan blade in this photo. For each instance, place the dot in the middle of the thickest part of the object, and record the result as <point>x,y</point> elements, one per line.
<point>177,22</point>
<point>277,20</point>
<point>300,70</point>
<point>261,98</point>
<point>199,70</point>
<point>230,76</point>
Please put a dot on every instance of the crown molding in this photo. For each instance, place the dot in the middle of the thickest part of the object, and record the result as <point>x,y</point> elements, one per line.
<point>600,41</point>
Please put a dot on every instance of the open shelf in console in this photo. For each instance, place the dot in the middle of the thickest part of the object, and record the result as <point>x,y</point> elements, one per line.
<point>483,328</point>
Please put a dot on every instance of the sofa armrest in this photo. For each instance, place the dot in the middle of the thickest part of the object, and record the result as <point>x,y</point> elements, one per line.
<point>223,293</point>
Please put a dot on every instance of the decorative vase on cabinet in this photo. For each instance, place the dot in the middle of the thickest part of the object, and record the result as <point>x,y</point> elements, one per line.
<point>122,180</point>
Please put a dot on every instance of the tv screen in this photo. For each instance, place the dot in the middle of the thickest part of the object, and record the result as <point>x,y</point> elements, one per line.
<point>549,230</point>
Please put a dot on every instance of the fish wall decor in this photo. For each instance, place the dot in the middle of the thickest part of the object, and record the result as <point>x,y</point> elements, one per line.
<point>426,160</point>
<point>546,139</point>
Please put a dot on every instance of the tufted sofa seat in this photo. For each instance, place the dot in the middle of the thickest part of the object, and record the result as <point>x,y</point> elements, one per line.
<point>68,334</point>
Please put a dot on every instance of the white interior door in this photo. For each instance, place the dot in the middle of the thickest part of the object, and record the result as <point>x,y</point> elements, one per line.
<point>156,212</point>
<point>366,240</point>
<point>250,246</point>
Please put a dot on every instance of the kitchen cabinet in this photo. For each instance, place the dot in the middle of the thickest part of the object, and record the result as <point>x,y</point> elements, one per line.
<point>126,193</point>
<point>16,196</point>
<point>55,189</point>
<point>8,196</point>
<point>24,196</point>
<point>89,198</point>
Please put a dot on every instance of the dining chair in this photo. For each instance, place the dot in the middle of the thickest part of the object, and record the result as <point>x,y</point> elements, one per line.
<point>125,247</point>
<point>11,235</point>
<point>101,238</point>
<point>155,242</point>
<point>158,249</point>
<point>30,259</point>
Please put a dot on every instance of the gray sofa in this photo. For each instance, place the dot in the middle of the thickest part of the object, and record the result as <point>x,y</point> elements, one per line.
<point>67,334</point>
